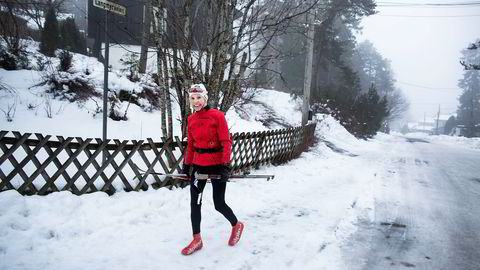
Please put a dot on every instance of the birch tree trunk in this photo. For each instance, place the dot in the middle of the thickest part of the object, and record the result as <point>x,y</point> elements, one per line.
<point>157,11</point>
<point>167,96</point>
<point>221,42</point>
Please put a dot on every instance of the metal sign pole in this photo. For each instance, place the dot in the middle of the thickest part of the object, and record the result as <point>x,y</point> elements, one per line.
<point>105,85</point>
<point>120,10</point>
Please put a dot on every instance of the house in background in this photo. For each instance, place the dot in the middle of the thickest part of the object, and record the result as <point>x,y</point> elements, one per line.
<point>427,126</point>
<point>128,29</point>
<point>442,124</point>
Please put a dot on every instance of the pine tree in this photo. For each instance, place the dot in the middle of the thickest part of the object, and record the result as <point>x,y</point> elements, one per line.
<point>449,125</point>
<point>50,35</point>
<point>370,112</point>
<point>468,112</point>
<point>469,109</point>
<point>472,65</point>
<point>130,64</point>
<point>71,38</point>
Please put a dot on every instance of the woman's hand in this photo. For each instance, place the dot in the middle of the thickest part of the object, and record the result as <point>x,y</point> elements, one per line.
<point>186,169</point>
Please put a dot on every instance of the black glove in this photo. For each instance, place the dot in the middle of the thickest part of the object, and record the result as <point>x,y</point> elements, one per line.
<point>186,169</point>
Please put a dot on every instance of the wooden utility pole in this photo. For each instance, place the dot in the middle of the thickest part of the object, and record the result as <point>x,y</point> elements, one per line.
<point>424,121</point>
<point>147,11</point>
<point>307,82</point>
<point>438,119</point>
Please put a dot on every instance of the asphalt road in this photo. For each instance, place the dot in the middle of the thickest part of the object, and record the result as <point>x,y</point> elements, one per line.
<point>426,213</point>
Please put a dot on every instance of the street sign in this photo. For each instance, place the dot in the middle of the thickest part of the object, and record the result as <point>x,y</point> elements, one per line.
<point>110,6</point>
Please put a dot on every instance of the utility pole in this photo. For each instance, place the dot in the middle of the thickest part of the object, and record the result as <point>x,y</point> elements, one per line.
<point>424,120</point>
<point>438,119</point>
<point>307,82</point>
<point>147,11</point>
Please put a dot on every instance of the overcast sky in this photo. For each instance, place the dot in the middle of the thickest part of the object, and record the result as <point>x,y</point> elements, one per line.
<point>423,40</point>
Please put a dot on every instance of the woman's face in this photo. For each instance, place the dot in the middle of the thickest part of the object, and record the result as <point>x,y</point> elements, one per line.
<point>197,102</point>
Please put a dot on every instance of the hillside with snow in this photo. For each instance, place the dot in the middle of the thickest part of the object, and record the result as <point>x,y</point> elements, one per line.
<point>23,100</point>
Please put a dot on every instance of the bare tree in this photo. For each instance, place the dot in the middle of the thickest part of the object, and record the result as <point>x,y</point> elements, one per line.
<point>6,91</point>
<point>216,42</point>
<point>34,9</point>
<point>397,105</point>
<point>12,28</point>
<point>159,25</point>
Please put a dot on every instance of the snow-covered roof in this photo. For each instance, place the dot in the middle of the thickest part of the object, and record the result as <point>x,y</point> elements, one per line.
<point>414,126</point>
<point>446,116</point>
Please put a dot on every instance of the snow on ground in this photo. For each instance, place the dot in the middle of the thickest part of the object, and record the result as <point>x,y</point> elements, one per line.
<point>32,104</point>
<point>299,220</point>
<point>295,221</point>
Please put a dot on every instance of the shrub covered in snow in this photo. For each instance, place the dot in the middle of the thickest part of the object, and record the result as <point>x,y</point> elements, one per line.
<point>13,60</point>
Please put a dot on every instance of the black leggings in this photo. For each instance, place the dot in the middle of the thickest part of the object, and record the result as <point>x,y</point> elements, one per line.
<point>196,192</point>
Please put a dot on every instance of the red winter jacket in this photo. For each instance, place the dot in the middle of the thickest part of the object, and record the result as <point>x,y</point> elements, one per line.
<point>208,129</point>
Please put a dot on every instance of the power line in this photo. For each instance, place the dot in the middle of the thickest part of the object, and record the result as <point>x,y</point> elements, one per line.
<point>429,6</point>
<point>400,4</point>
<point>428,16</point>
<point>426,87</point>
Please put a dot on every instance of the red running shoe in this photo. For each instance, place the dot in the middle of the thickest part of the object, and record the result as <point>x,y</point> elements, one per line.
<point>195,245</point>
<point>236,234</point>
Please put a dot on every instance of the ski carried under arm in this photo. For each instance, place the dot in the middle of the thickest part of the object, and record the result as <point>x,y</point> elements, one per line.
<point>201,176</point>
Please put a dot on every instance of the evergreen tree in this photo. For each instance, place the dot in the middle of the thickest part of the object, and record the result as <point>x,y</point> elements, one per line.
<point>130,63</point>
<point>468,112</point>
<point>370,112</point>
<point>333,46</point>
<point>71,38</point>
<point>450,125</point>
<point>50,35</point>
<point>469,109</point>
<point>373,68</point>
<point>474,65</point>
<point>292,67</point>
<point>381,116</point>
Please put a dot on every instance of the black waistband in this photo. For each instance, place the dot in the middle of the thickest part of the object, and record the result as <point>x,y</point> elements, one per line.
<point>208,150</point>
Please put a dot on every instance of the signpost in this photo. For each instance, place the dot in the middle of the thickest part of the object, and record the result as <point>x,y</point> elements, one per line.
<point>120,10</point>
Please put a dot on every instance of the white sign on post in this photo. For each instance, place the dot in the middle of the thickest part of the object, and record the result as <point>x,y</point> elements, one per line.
<point>110,6</point>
